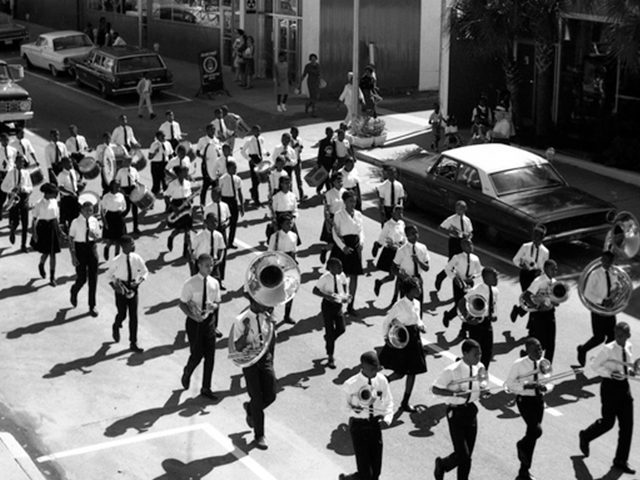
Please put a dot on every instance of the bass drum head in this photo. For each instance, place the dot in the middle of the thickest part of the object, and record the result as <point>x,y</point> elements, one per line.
<point>139,160</point>
<point>89,167</point>
<point>137,193</point>
<point>108,170</point>
<point>91,197</point>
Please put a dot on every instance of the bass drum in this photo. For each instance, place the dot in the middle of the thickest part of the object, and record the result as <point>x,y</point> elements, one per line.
<point>93,198</point>
<point>37,177</point>
<point>139,159</point>
<point>108,170</point>
<point>89,167</point>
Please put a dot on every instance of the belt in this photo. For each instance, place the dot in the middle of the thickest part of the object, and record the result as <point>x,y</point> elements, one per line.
<point>461,406</point>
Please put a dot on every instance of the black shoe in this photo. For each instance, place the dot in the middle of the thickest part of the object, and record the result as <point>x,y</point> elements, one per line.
<point>525,476</point>
<point>261,443</point>
<point>52,282</point>
<point>74,299</point>
<point>93,312</point>
<point>582,355</point>
<point>323,256</point>
<point>170,243</point>
<point>185,381</point>
<point>135,348</point>
<point>105,253</point>
<point>24,249</point>
<point>218,333</point>
<point>405,407</point>
<point>515,312</point>
<point>12,237</point>
<point>115,332</point>
<point>289,320</point>
<point>624,468</point>
<point>137,231</point>
<point>248,418</point>
<point>233,247</point>
<point>462,334</point>
<point>584,443</point>
<point>222,287</point>
<point>331,363</point>
<point>439,471</point>
<point>376,287</point>
<point>41,270</point>
<point>206,392</point>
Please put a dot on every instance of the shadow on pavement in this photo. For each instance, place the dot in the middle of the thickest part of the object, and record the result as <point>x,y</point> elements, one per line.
<point>576,388</point>
<point>82,364</point>
<point>179,343</point>
<point>340,441</point>
<point>503,402</point>
<point>301,379</point>
<point>60,319</point>
<point>426,418</point>
<point>582,472</point>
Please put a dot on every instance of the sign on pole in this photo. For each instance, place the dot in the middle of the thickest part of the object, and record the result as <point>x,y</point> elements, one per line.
<point>211,80</point>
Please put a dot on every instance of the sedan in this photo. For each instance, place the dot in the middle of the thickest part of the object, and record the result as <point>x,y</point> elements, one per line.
<point>11,32</point>
<point>508,192</point>
<point>55,50</point>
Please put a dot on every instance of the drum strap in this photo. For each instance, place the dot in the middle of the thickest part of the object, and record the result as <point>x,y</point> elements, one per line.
<point>259,147</point>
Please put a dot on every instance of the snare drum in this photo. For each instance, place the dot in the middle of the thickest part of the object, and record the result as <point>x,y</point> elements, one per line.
<point>120,153</point>
<point>89,168</point>
<point>93,198</point>
<point>37,177</point>
<point>262,171</point>
<point>316,177</point>
<point>139,159</point>
<point>142,197</point>
<point>242,129</point>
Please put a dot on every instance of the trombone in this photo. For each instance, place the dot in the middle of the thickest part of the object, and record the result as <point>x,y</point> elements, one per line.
<point>634,368</point>
<point>544,368</point>
<point>481,377</point>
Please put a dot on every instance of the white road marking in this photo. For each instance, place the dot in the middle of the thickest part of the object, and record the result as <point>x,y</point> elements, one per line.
<point>13,446</point>
<point>210,430</point>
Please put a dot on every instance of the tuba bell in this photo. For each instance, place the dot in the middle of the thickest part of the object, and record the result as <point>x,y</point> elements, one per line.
<point>366,396</point>
<point>273,278</point>
<point>559,292</point>
<point>472,310</point>
<point>398,334</point>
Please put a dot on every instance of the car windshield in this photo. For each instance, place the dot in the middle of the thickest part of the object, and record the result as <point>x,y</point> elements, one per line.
<point>5,20</point>
<point>532,177</point>
<point>139,64</point>
<point>5,74</point>
<point>72,41</point>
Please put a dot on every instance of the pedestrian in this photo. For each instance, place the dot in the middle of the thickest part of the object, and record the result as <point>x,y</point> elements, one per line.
<point>452,138</point>
<point>614,363</point>
<point>208,149</point>
<point>249,62</point>
<point>436,119</point>
<point>391,238</point>
<point>598,289</point>
<point>458,226</point>
<point>390,193</point>
<point>159,151</point>
<point>346,98</point>
<point>84,233</point>
<point>530,258</point>
<point>326,157</point>
<point>208,240</point>
<point>126,272</point>
<point>236,50</point>
<point>17,185</point>
<point>171,129</point>
<point>281,80</point>
<point>287,152</point>
<point>69,184</point>
<point>482,112</point>
<point>46,230</point>
<point>297,146</point>
<point>502,128</point>
<point>369,87</point>
<point>114,207</point>
<point>332,286</point>
<point>348,237</point>
<point>332,204</point>
<point>231,194</point>
<point>311,72</point>
<point>481,329</point>
<point>53,153</point>
<point>123,134</point>
<point>118,41</point>
<point>350,180</point>
<point>222,214</point>
<point>25,147</point>
<point>128,178</point>
<point>249,331</point>
<point>254,151</point>
<point>344,149</point>
<point>410,261</point>
<point>462,411</point>
<point>368,399</point>
<point>144,89</point>
<point>285,240</point>
<point>410,359</point>
<point>200,302</point>
<point>530,401</point>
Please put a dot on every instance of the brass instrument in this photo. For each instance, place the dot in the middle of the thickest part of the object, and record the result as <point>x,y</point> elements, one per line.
<point>473,310</point>
<point>481,377</point>
<point>366,395</point>
<point>272,279</point>
<point>634,368</point>
<point>544,301</point>
<point>398,334</point>
<point>623,240</point>
<point>544,367</point>
<point>121,288</point>
<point>463,284</point>
<point>196,309</point>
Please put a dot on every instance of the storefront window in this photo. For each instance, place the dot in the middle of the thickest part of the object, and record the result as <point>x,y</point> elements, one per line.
<point>116,6</point>
<point>284,7</point>
<point>204,13</point>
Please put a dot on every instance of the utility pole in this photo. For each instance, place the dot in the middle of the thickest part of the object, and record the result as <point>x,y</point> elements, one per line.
<point>355,84</point>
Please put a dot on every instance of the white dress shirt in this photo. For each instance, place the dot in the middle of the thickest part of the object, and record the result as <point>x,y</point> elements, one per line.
<point>220,210</point>
<point>392,234</point>
<point>345,224</point>
<point>333,200</point>
<point>25,147</point>
<point>128,177</point>
<point>7,158</point>
<point>193,290</point>
<point>258,325</point>
<point>17,179</point>
<point>230,186</point>
<point>78,229</point>
<point>50,153</point>
<point>167,129</point>
<point>404,257</point>
<point>382,406</point>
<point>406,312</point>
<point>68,179</point>
<point>203,241</point>
<point>46,209</point>
<point>177,161</point>
<point>464,265</point>
<point>118,136</point>
<point>160,151</point>
<point>343,148</point>
<point>288,153</point>
<point>459,370</point>
<point>541,284</point>
<point>175,190</point>
<point>113,202</point>
<point>461,224</point>
<point>384,192</point>
<point>274,178</point>
<point>118,268</point>
<point>208,148</point>
<point>531,256</point>
<point>285,202</point>
<point>483,290</point>
<point>349,178</point>
<point>253,146</point>
<point>222,133</point>
<point>281,241</point>
<point>518,377</point>
<point>77,144</point>
<point>612,351</point>
<point>329,283</point>
<point>597,289</point>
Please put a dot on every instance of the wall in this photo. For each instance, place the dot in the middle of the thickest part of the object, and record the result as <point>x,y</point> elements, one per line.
<point>56,14</point>
<point>430,45</point>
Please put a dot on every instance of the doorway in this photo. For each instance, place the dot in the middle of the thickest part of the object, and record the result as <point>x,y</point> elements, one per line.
<point>283,35</point>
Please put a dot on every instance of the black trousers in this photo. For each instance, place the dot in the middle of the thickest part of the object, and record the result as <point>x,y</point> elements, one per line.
<point>463,428</point>
<point>157,177</point>
<point>69,210</point>
<point>526,279</point>
<point>366,436</point>
<point>255,181</point>
<point>297,170</point>
<point>202,345</point>
<point>483,334</point>
<point>458,294</point>
<point>542,325</point>
<point>454,247</point>
<point>19,216</point>
<point>130,206</point>
<point>207,183</point>
<point>617,403</point>
<point>333,324</point>
<point>124,304</point>
<point>87,269</point>
<point>261,386</point>
<point>532,410</point>
<point>233,219</point>
<point>603,327</point>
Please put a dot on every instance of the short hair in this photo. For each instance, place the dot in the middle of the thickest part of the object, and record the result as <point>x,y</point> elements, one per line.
<point>180,168</point>
<point>461,203</point>
<point>126,240</point>
<point>86,204</point>
<point>550,263</point>
<point>623,326</point>
<point>49,188</point>
<point>210,215</point>
<point>283,218</point>
<point>313,55</point>
<point>469,344</point>
<point>540,229</point>
<point>370,358</point>
<point>348,194</point>
<point>335,176</point>
<point>226,145</point>
<point>181,148</point>
<point>280,158</point>
<point>530,341</point>
<point>328,131</point>
<point>294,129</point>
<point>231,162</point>
<point>489,270</point>
<point>216,189</point>
<point>72,127</point>
<point>334,261</point>
<point>286,135</point>
<point>410,229</point>
<point>284,179</point>
<point>168,112</point>
<point>256,127</point>
<point>409,284</point>
<point>393,170</point>
<point>204,257</point>
<point>53,131</point>
<point>159,133</point>
<point>608,254</point>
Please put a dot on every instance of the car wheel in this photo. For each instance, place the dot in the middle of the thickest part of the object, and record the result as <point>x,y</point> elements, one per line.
<point>78,81</point>
<point>29,64</point>
<point>53,70</point>
<point>103,90</point>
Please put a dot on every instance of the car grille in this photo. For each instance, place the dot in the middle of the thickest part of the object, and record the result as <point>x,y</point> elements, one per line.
<point>9,107</point>
<point>577,222</point>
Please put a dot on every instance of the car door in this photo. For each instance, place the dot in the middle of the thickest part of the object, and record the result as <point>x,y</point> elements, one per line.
<point>468,187</point>
<point>440,179</point>
<point>37,55</point>
<point>83,69</point>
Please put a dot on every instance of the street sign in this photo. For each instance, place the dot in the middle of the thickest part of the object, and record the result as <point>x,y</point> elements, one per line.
<point>211,80</point>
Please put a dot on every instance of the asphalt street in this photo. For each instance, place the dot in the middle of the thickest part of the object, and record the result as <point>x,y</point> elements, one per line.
<point>84,407</point>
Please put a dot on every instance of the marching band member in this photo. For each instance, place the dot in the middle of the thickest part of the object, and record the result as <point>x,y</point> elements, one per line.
<point>392,237</point>
<point>332,286</point>
<point>209,240</point>
<point>598,289</point>
<point>350,180</point>
<point>390,193</point>
<point>159,152</point>
<point>84,232</point>
<point>114,206</point>
<point>128,178</point>
<point>46,230</point>
<point>367,416</point>
<point>208,149</point>
<point>126,272</point>
<point>253,150</point>
<point>344,150</point>
<point>231,194</point>
<point>326,157</point>
<point>231,121</point>
<point>7,162</point>
<point>25,147</point>
<point>171,129</point>
<point>332,204</point>
<point>463,268</point>
<point>348,237</point>
<point>54,152</point>
<point>180,195</point>
<point>529,398</point>
<point>461,410</point>
<point>105,155</point>
<point>297,146</point>
<point>260,377</point>
<point>181,159</point>
<point>221,131</point>
<point>123,134</point>
<point>69,183</point>
<point>411,259</point>
<point>222,214</point>
<point>530,259</point>
<point>542,322</point>
<point>200,302</point>
<point>482,332</point>
<point>285,202</point>
<point>285,239</point>
<point>459,227</point>
<point>76,144</point>
<point>275,175</point>
<point>410,360</point>
<point>613,364</point>
<point>17,185</point>
<point>287,152</point>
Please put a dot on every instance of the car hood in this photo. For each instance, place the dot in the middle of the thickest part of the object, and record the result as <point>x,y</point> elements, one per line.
<point>552,204</point>
<point>12,91</point>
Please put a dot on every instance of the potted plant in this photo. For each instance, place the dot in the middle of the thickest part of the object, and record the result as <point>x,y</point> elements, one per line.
<point>368,132</point>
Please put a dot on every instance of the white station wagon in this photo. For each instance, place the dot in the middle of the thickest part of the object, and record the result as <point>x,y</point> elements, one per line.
<point>53,51</point>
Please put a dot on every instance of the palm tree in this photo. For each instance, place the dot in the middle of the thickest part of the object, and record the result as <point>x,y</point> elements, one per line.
<point>624,30</point>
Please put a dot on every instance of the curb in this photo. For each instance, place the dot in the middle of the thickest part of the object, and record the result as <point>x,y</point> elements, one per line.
<point>15,462</point>
<point>625,176</point>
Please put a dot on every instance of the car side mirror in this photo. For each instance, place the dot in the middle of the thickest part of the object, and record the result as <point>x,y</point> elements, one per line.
<point>17,72</point>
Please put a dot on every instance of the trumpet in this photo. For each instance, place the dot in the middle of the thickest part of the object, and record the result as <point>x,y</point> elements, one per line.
<point>634,368</point>
<point>121,287</point>
<point>463,284</point>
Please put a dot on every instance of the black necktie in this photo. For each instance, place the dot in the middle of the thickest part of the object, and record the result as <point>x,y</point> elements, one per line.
<point>126,137</point>
<point>55,145</point>
<point>371,415</point>
<point>162,149</point>
<point>468,264</point>
<point>77,145</point>
<point>416,271</point>
<point>205,168</point>
<point>219,214</point>
<point>335,284</point>
<point>393,196</point>
<point>211,244</point>
<point>129,272</point>
<point>470,382</point>
<point>233,186</point>
<point>204,294</point>
<point>86,235</point>
<point>6,159</point>
<point>624,360</point>
<point>490,302</point>
<point>173,135</point>
<point>259,147</point>
<point>606,274</point>
<point>22,147</point>
<point>535,368</point>
<point>461,224</point>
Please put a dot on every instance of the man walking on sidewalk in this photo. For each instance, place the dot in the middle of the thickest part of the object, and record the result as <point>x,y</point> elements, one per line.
<point>144,93</point>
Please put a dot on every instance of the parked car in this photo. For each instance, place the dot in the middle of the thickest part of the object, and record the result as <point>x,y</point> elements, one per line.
<point>55,50</point>
<point>175,13</point>
<point>508,192</point>
<point>15,102</point>
<point>11,32</point>
<point>117,70</point>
